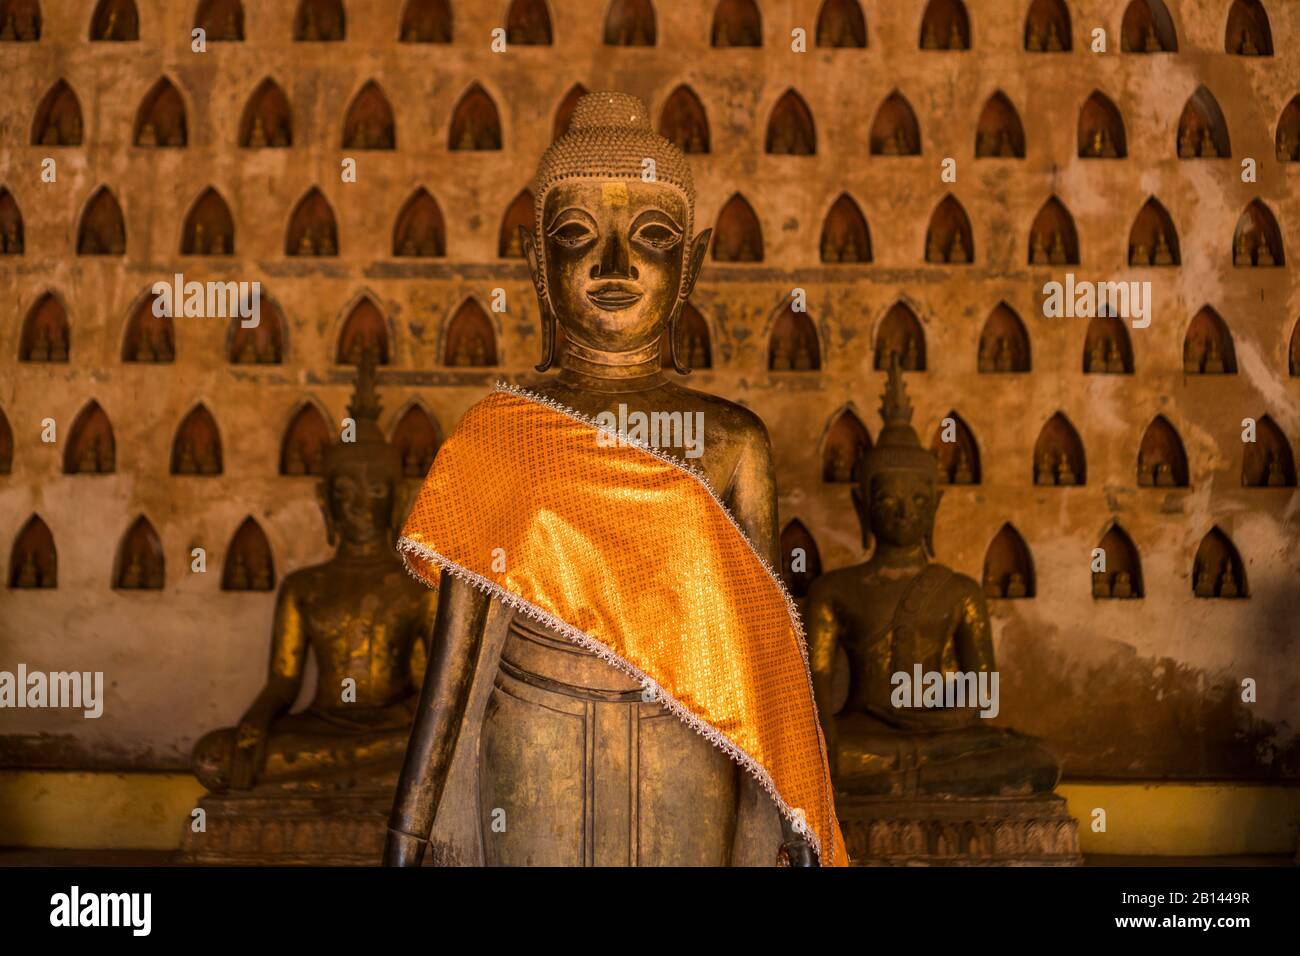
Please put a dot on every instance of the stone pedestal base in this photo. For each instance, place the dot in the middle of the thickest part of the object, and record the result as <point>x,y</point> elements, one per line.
<point>958,831</point>
<point>272,826</point>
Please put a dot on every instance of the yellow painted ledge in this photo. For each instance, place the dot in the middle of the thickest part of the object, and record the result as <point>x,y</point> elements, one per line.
<point>95,810</point>
<point>1185,819</point>
<point>89,810</point>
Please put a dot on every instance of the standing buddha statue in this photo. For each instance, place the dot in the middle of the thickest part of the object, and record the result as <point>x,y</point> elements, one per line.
<point>651,670</point>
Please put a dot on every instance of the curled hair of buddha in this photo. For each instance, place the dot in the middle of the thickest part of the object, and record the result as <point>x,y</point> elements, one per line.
<point>610,137</point>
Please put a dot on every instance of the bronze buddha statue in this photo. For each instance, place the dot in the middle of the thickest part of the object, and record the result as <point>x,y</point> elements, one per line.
<point>570,765</point>
<point>895,613</point>
<point>364,620</point>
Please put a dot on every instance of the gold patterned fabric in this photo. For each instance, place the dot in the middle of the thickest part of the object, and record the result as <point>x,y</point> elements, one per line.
<point>630,554</point>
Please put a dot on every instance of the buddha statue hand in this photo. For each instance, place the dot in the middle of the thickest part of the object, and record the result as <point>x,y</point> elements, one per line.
<point>795,848</point>
<point>249,753</point>
<point>402,849</point>
<point>799,852</point>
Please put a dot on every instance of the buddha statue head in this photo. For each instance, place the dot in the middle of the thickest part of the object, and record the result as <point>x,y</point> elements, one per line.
<point>612,256</point>
<point>360,477</point>
<point>897,493</point>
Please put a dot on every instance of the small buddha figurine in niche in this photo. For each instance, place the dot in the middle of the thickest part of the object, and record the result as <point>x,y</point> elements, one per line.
<point>1242,251</point>
<point>901,609</point>
<point>363,619</point>
<point>613,259</point>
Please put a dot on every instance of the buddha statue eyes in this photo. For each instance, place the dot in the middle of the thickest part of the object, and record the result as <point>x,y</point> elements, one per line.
<point>575,229</point>
<point>657,235</point>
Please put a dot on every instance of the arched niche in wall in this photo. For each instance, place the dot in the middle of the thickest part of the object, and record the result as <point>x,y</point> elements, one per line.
<point>1122,574</point>
<point>737,237</point>
<point>90,448</point>
<point>196,448</point>
<point>840,24</point>
<point>319,21</point>
<point>793,345</point>
<point>420,230</point>
<point>160,120</point>
<point>267,121</point>
<point>46,335</point>
<point>33,560</point>
<point>847,441</point>
<point>139,565</point>
<point>470,341</point>
<point>528,23</point>
<point>1147,27</point>
<point>302,450</point>
<point>312,229</point>
<point>1004,342</point>
<point>1101,129</point>
<point>248,565</point>
<point>1058,455</point>
<point>1207,346</point>
<point>957,451</point>
<point>801,561</point>
<point>426,21</point>
<point>684,121</point>
<point>475,123</point>
<point>1162,460</point>
<point>1008,566</point>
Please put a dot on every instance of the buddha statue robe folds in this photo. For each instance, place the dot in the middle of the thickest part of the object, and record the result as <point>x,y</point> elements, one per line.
<point>647,698</point>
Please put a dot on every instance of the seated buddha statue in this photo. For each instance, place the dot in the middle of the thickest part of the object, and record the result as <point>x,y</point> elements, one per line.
<point>650,673</point>
<point>366,622</point>
<point>895,613</point>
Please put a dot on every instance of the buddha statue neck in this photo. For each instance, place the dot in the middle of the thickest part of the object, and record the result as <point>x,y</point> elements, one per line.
<point>378,550</point>
<point>587,368</point>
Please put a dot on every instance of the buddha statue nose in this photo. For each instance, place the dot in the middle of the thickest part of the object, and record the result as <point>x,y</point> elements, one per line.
<point>614,260</point>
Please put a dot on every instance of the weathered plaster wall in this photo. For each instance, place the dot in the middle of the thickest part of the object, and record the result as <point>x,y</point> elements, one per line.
<point>1121,688</point>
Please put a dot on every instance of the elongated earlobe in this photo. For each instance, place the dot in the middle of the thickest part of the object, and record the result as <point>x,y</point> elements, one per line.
<point>694,261</point>
<point>690,272</point>
<point>543,300</point>
<point>671,331</point>
<point>323,499</point>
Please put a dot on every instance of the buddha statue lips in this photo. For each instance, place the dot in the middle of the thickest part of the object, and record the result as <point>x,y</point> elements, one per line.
<point>614,296</point>
<point>648,682</point>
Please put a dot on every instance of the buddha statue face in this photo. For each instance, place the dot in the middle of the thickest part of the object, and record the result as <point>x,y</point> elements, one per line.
<point>900,507</point>
<point>616,261</point>
<point>357,498</point>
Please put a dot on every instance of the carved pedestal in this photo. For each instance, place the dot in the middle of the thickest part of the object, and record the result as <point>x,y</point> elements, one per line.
<point>958,831</point>
<point>271,826</point>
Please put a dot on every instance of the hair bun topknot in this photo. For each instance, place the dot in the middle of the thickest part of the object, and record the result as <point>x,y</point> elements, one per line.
<point>610,109</point>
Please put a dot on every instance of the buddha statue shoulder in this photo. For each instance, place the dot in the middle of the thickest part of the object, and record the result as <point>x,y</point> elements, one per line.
<point>599,742</point>
<point>922,678</point>
<point>363,619</point>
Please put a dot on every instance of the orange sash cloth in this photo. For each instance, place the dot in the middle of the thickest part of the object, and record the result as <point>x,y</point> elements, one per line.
<point>630,555</point>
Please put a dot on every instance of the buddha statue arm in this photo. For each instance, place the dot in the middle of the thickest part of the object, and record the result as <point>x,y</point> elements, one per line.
<point>283,681</point>
<point>753,502</point>
<point>973,638</point>
<point>823,629</point>
<point>457,636</point>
